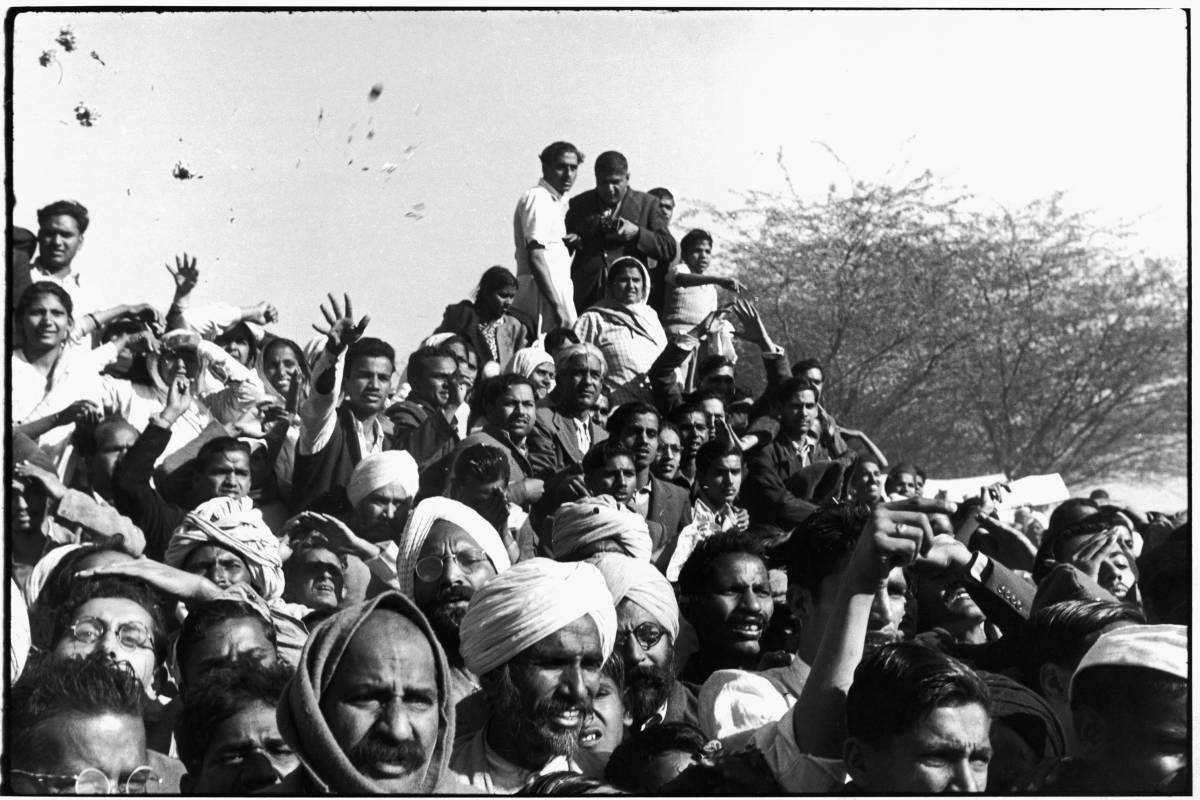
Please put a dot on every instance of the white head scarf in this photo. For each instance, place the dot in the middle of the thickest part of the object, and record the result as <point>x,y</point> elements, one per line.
<point>527,359</point>
<point>734,700</point>
<point>639,582</point>
<point>420,522</point>
<point>382,469</point>
<point>42,569</point>
<point>236,525</point>
<point>595,519</point>
<point>523,605</point>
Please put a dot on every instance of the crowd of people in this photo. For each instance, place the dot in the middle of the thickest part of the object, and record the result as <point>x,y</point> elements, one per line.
<point>554,549</point>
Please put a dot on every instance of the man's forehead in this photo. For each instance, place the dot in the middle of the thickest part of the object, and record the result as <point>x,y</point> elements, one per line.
<point>61,222</point>
<point>444,532</point>
<point>579,637</point>
<point>385,643</point>
<point>739,567</point>
<point>117,609</point>
<point>113,743</point>
<point>319,555</point>
<point>373,364</point>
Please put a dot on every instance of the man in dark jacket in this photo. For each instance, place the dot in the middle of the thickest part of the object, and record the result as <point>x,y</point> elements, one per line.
<point>612,221</point>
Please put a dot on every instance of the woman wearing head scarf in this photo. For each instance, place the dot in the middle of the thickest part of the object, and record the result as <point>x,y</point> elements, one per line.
<point>626,330</point>
<point>485,322</point>
<point>537,365</point>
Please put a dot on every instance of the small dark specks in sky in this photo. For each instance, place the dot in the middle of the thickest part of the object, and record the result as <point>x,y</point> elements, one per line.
<point>181,172</point>
<point>417,110</point>
<point>351,161</point>
<point>418,206</point>
<point>46,58</point>
<point>364,169</point>
<point>85,116</point>
<point>414,215</point>
<point>349,138</point>
<point>320,115</point>
<point>127,194</point>
<point>96,56</point>
<point>370,134</point>
<point>376,90</point>
<point>297,163</point>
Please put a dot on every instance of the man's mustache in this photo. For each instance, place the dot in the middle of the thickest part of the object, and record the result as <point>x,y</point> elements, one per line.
<point>408,754</point>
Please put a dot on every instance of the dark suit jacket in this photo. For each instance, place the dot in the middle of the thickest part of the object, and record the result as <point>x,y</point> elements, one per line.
<point>670,508</point>
<point>653,244</point>
<point>330,467</point>
<point>553,446</point>
<point>511,335</point>
<point>779,491</point>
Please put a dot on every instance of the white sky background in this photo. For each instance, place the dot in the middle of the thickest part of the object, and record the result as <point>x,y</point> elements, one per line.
<point>1010,105</point>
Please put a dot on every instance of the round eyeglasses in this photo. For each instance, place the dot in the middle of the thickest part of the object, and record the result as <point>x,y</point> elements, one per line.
<point>647,636</point>
<point>429,569</point>
<point>142,780</point>
<point>131,635</point>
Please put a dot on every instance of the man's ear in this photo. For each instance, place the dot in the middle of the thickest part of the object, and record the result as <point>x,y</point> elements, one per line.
<point>1055,682</point>
<point>1091,733</point>
<point>856,756</point>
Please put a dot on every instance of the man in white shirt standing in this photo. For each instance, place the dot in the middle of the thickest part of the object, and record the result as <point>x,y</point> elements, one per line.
<point>545,294</point>
<point>61,226</point>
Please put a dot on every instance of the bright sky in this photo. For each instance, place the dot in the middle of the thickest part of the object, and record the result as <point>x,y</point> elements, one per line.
<point>1010,105</point>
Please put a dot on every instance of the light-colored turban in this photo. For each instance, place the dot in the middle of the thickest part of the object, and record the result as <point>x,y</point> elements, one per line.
<point>42,569</point>
<point>420,522</point>
<point>734,700</point>
<point>527,359</point>
<point>640,583</point>
<point>382,469</point>
<point>523,605</point>
<point>573,351</point>
<point>236,525</point>
<point>595,519</point>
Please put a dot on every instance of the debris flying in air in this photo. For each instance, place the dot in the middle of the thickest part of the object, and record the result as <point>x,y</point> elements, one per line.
<point>85,116</point>
<point>66,39</point>
<point>417,110</point>
<point>414,215</point>
<point>46,58</point>
<point>418,207</point>
<point>389,168</point>
<point>96,56</point>
<point>376,90</point>
<point>320,115</point>
<point>181,172</point>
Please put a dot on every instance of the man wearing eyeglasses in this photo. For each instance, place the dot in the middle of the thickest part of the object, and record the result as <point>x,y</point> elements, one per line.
<point>78,729</point>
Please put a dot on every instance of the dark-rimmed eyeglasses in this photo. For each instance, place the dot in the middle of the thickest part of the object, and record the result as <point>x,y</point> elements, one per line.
<point>142,780</point>
<point>131,635</point>
<point>430,568</point>
<point>647,635</point>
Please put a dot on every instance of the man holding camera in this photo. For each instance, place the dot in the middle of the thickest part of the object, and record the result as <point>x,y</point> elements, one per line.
<point>612,221</point>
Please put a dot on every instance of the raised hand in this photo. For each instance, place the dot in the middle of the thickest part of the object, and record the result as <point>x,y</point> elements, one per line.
<point>264,313</point>
<point>733,285</point>
<point>54,487</point>
<point>945,555</point>
<point>341,328</point>
<point>170,580</point>
<point>82,412</point>
<point>185,275</point>
<point>179,398</point>
<point>754,330</point>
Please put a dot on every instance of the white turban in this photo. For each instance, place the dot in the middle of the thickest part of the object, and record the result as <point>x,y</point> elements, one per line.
<point>523,605</point>
<point>379,470</point>
<point>734,700</point>
<point>42,569</point>
<point>236,525</point>
<point>527,359</point>
<point>420,522</point>
<point>595,519</point>
<point>640,583</point>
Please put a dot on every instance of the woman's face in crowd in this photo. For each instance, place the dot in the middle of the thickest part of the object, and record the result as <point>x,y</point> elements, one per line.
<point>722,480</point>
<point>626,285</point>
<point>617,479</point>
<point>666,465</point>
<point>543,379</point>
<point>282,368</point>
<point>513,411</point>
<point>239,349</point>
<point>497,302</point>
<point>110,614</point>
<point>868,486</point>
<point>46,322</point>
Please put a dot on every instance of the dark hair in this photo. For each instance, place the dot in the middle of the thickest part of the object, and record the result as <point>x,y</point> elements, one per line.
<point>662,193</point>
<point>307,545</point>
<point>1120,690</point>
<point>896,471</point>
<point>1069,512</point>
<point>204,616</point>
<point>240,333</point>
<point>684,410</point>
<point>1063,633</point>
<point>623,414</point>
<point>559,337</point>
<point>793,386</point>
<point>218,447</point>
<point>713,363</point>
<point>610,161</point>
<point>219,695</point>
<point>599,454</point>
<point>822,543</point>
<point>805,364</point>
<point>64,208</point>
<point>1098,494</point>
<point>369,347</point>
<point>667,425</point>
<point>446,349</point>
<point>91,686</point>
<point>494,388</point>
<point>1165,580</point>
<point>483,463</point>
<point>694,237</point>
<point>626,769</point>
<point>112,586</point>
<point>556,149</point>
<point>614,670</point>
<point>1054,537</point>
<point>41,289</point>
<point>700,566</point>
<point>899,684</point>
<point>564,782</point>
<point>712,451</point>
<point>494,279</point>
<point>419,358</point>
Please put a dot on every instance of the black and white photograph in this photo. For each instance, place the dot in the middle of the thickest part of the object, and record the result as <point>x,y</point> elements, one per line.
<point>547,401</point>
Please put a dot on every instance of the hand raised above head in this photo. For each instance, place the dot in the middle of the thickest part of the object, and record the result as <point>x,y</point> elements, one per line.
<point>340,326</point>
<point>185,274</point>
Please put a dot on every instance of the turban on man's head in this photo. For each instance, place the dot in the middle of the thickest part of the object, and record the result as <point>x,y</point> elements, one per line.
<point>640,583</point>
<point>420,522</point>
<point>523,605</point>
<point>238,526</point>
<point>303,726</point>
<point>382,469</point>
<point>595,519</point>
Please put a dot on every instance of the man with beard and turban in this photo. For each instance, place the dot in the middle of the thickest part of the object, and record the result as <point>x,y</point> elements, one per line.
<point>599,525</point>
<point>647,630</point>
<point>446,554</point>
<point>537,635</point>
<point>368,710</point>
